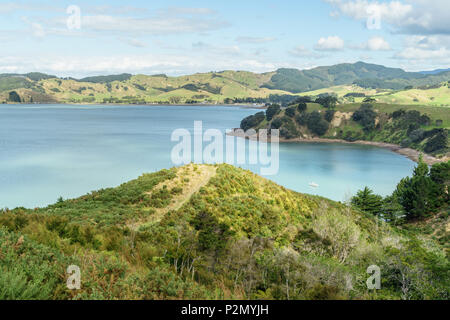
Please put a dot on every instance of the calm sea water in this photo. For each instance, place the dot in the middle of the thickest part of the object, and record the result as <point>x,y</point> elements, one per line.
<point>47,151</point>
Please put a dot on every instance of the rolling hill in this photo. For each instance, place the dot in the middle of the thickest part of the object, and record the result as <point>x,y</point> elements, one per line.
<point>212,232</point>
<point>213,87</point>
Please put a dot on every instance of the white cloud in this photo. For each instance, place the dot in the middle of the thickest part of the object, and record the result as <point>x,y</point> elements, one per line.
<point>377,44</point>
<point>150,26</point>
<point>422,54</point>
<point>412,17</point>
<point>77,66</point>
<point>432,50</point>
<point>172,20</point>
<point>332,43</point>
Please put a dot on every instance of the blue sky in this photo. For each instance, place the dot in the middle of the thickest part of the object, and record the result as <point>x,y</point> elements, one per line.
<point>182,37</point>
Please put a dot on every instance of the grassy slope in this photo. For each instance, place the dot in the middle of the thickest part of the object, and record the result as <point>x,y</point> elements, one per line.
<point>217,86</point>
<point>233,235</point>
<point>212,87</point>
<point>418,97</point>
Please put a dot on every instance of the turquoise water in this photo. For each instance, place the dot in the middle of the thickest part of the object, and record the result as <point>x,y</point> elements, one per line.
<point>47,151</point>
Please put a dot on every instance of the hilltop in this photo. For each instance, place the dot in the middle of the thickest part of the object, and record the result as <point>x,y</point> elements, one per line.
<point>212,232</point>
<point>224,86</point>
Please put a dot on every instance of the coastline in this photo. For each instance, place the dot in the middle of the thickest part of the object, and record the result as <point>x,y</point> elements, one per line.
<point>241,105</point>
<point>411,154</point>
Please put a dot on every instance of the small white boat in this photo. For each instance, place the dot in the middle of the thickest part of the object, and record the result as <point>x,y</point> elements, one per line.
<point>313,185</point>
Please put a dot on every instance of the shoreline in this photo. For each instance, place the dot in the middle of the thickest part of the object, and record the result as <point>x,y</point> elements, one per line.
<point>411,154</point>
<point>241,105</point>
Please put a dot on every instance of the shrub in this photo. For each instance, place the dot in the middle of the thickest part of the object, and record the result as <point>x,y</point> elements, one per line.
<point>252,121</point>
<point>438,142</point>
<point>301,107</point>
<point>365,116</point>
<point>276,124</point>
<point>327,101</point>
<point>316,124</point>
<point>301,119</point>
<point>272,111</point>
<point>416,135</point>
<point>290,112</point>
<point>288,130</point>
<point>329,115</point>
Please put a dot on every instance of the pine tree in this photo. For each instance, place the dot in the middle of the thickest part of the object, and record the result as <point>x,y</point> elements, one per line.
<point>419,195</point>
<point>367,201</point>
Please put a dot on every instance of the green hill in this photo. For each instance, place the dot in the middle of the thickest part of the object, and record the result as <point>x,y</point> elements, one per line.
<point>296,81</point>
<point>216,87</point>
<point>212,232</point>
<point>422,128</point>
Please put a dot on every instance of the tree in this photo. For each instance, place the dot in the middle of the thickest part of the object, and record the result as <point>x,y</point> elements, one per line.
<point>367,201</point>
<point>365,116</point>
<point>288,129</point>
<point>329,115</point>
<point>301,107</point>
<point>327,101</point>
<point>290,112</point>
<point>316,124</point>
<point>419,195</point>
<point>392,210</point>
<point>438,142</point>
<point>213,235</point>
<point>440,174</point>
<point>252,121</point>
<point>14,97</point>
<point>272,111</point>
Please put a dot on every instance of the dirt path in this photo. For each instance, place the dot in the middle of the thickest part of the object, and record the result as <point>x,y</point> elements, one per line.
<point>191,178</point>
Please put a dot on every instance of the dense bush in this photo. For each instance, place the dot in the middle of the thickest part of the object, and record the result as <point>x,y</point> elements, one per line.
<point>438,142</point>
<point>366,116</point>
<point>302,107</point>
<point>302,119</point>
<point>316,124</point>
<point>272,111</point>
<point>327,101</point>
<point>288,130</point>
<point>290,111</point>
<point>13,96</point>
<point>239,237</point>
<point>329,115</point>
<point>276,124</point>
<point>252,121</point>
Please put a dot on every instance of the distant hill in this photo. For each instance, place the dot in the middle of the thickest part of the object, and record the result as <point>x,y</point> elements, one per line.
<point>106,79</point>
<point>212,87</point>
<point>296,81</point>
<point>435,71</point>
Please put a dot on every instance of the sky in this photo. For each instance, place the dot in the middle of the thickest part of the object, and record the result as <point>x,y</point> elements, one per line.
<point>84,38</point>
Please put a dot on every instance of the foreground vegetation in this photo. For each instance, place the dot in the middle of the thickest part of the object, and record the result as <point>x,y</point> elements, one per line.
<point>213,232</point>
